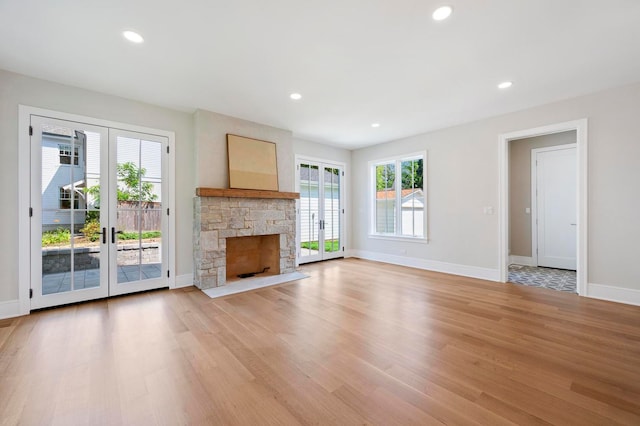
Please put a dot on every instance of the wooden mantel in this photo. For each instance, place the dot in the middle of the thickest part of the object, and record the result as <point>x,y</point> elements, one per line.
<point>245,193</point>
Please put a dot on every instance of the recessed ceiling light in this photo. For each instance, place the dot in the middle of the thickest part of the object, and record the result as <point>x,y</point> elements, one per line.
<point>295,96</point>
<point>442,13</point>
<point>505,85</point>
<point>133,36</point>
<point>375,125</point>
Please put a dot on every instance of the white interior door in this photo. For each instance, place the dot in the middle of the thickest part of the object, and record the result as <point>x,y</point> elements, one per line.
<point>555,171</point>
<point>320,211</point>
<point>99,218</point>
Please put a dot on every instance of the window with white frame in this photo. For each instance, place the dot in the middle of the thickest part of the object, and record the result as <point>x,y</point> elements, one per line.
<point>66,196</point>
<point>65,154</point>
<point>399,196</point>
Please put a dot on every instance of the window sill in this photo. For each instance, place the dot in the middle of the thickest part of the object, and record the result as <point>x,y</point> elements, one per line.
<point>420,240</point>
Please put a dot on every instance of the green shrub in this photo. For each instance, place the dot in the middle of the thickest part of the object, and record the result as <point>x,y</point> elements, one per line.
<point>59,236</point>
<point>91,230</point>
<point>135,235</point>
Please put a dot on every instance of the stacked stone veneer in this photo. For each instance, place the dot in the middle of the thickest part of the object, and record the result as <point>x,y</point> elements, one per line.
<point>219,218</point>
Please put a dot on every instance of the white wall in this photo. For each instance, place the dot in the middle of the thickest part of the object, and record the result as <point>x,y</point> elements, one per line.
<point>211,148</point>
<point>462,178</point>
<point>16,89</point>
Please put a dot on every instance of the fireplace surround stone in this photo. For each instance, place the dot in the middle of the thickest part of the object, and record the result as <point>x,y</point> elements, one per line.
<point>218,218</point>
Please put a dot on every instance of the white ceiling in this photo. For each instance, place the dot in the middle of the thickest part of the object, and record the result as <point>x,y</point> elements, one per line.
<point>354,61</point>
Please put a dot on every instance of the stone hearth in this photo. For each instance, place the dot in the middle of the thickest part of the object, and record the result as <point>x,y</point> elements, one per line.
<point>219,217</point>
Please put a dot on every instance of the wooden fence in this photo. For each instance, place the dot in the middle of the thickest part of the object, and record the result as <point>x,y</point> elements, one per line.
<point>148,214</point>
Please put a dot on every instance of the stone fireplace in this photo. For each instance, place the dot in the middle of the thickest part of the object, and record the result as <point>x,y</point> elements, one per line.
<point>224,217</point>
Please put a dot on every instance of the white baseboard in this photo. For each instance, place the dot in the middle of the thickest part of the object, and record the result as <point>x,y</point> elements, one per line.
<point>10,309</point>
<point>629,296</point>
<point>521,260</point>
<point>184,280</point>
<point>430,265</point>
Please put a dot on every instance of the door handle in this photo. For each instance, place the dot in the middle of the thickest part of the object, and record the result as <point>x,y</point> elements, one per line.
<point>104,235</point>
<point>113,234</point>
<point>573,224</point>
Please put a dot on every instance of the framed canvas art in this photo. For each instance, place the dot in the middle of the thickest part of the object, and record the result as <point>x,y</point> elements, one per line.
<point>252,163</point>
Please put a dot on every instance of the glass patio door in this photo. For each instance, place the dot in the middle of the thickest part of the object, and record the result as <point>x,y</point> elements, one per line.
<point>138,212</point>
<point>69,251</point>
<point>97,222</point>
<point>320,211</point>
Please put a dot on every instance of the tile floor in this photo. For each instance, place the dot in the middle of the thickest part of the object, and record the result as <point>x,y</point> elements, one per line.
<point>556,279</point>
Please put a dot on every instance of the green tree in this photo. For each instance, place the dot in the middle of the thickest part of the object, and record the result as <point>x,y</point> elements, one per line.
<point>385,176</point>
<point>132,188</point>
<point>412,174</point>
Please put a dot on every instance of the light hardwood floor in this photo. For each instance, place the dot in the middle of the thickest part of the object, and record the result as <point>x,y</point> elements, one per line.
<point>357,343</point>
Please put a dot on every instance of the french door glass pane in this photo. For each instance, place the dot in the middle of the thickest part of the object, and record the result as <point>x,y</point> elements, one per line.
<point>309,209</point>
<point>70,166</point>
<point>332,210</point>
<point>139,209</point>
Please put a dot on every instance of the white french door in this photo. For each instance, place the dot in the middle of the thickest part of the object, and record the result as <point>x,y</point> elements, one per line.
<point>320,210</point>
<point>98,221</point>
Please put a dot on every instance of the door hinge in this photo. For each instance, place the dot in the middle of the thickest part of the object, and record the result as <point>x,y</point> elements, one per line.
<point>30,130</point>
<point>30,293</point>
<point>30,211</point>
<point>168,273</point>
<point>167,149</point>
<point>342,211</point>
<point>342,248</point>
<point>167,212</point>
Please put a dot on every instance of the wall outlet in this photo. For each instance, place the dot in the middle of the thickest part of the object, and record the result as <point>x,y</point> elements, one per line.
<point>527,210</point>
<point>488,210</point>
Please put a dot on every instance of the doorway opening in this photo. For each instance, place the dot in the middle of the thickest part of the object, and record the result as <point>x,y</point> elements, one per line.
<point>542,211</point>
<point>543,207</point>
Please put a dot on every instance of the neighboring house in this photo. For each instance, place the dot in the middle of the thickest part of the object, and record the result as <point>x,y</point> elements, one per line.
<point>66,172</point>
<point>412,206</point>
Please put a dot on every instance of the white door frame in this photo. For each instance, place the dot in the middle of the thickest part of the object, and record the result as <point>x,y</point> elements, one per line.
<point>24,190</point>
<point>581,128</point>
<point>534,198</point>
<point>343,189</point>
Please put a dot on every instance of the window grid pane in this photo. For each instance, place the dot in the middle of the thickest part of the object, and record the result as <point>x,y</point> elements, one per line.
<point>400,209</point>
